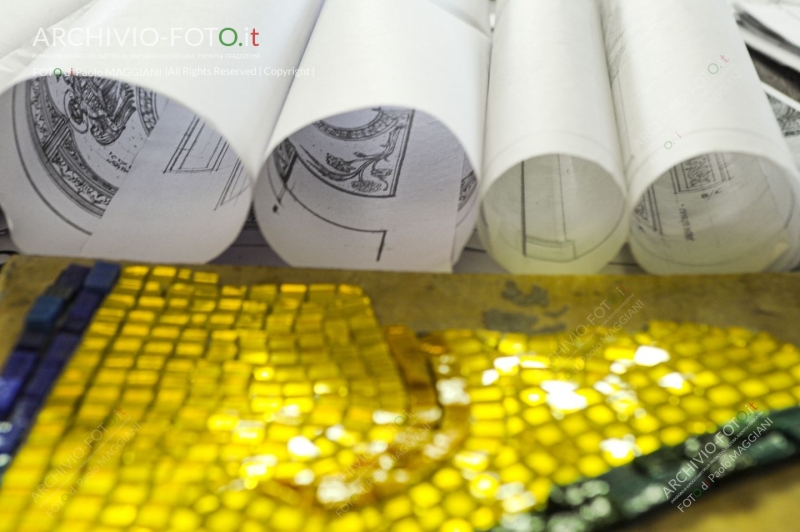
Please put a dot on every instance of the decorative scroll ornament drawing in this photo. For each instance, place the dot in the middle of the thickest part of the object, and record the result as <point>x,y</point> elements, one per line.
<point>359,153</point>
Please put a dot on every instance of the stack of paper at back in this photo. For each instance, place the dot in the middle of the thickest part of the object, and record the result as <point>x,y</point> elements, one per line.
<point>772,27</point>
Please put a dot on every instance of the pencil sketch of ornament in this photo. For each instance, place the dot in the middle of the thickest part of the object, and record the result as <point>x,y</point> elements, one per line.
<point>289,174</point>
<point>102,106</point>
<point>78,140</point>
<point>360,153</point>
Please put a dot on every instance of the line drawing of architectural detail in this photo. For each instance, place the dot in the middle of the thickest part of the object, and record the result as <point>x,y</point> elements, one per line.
<point>76,140</point>
<point>202,150</point>
<point>469,189</point>
<point>281,174</point>
<point>467,203</point>
<point>788,117</point>
<point>238,183</point>
<point>646,214</point>
<point>699,173</point>
<point>148,109</point>
<point>559,247</point>
<point>364,158</point>
<point>101,106</point>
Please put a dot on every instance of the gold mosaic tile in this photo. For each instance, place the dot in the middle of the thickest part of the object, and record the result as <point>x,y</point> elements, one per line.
<point>191,406</point>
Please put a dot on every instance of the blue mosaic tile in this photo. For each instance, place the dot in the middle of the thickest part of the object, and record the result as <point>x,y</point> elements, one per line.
<point>81,311</point>
<point>61,349</point>
<point>31,370</point>
<point>62,292</point>
<point>44,314</point>
<point>102,277</point>
<point>10,436</point>
<point>42,380</point>
<point>73,276</point>
<point>20,364</point>
<point>9,389</point>
<point>24,412</point>
<point>35,341</point>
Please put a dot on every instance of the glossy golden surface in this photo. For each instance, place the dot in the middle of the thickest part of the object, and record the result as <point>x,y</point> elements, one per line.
<point>193,406</point>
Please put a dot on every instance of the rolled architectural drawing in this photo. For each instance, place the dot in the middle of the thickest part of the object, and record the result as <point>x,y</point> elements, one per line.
<point>376,159</point>
<point>113,147</point>
<point>712,180</point>
<point>371,135</point>
<point>554,195</point>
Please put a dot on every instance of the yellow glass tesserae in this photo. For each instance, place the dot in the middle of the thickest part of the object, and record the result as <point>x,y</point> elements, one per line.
<point>190,405</point>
